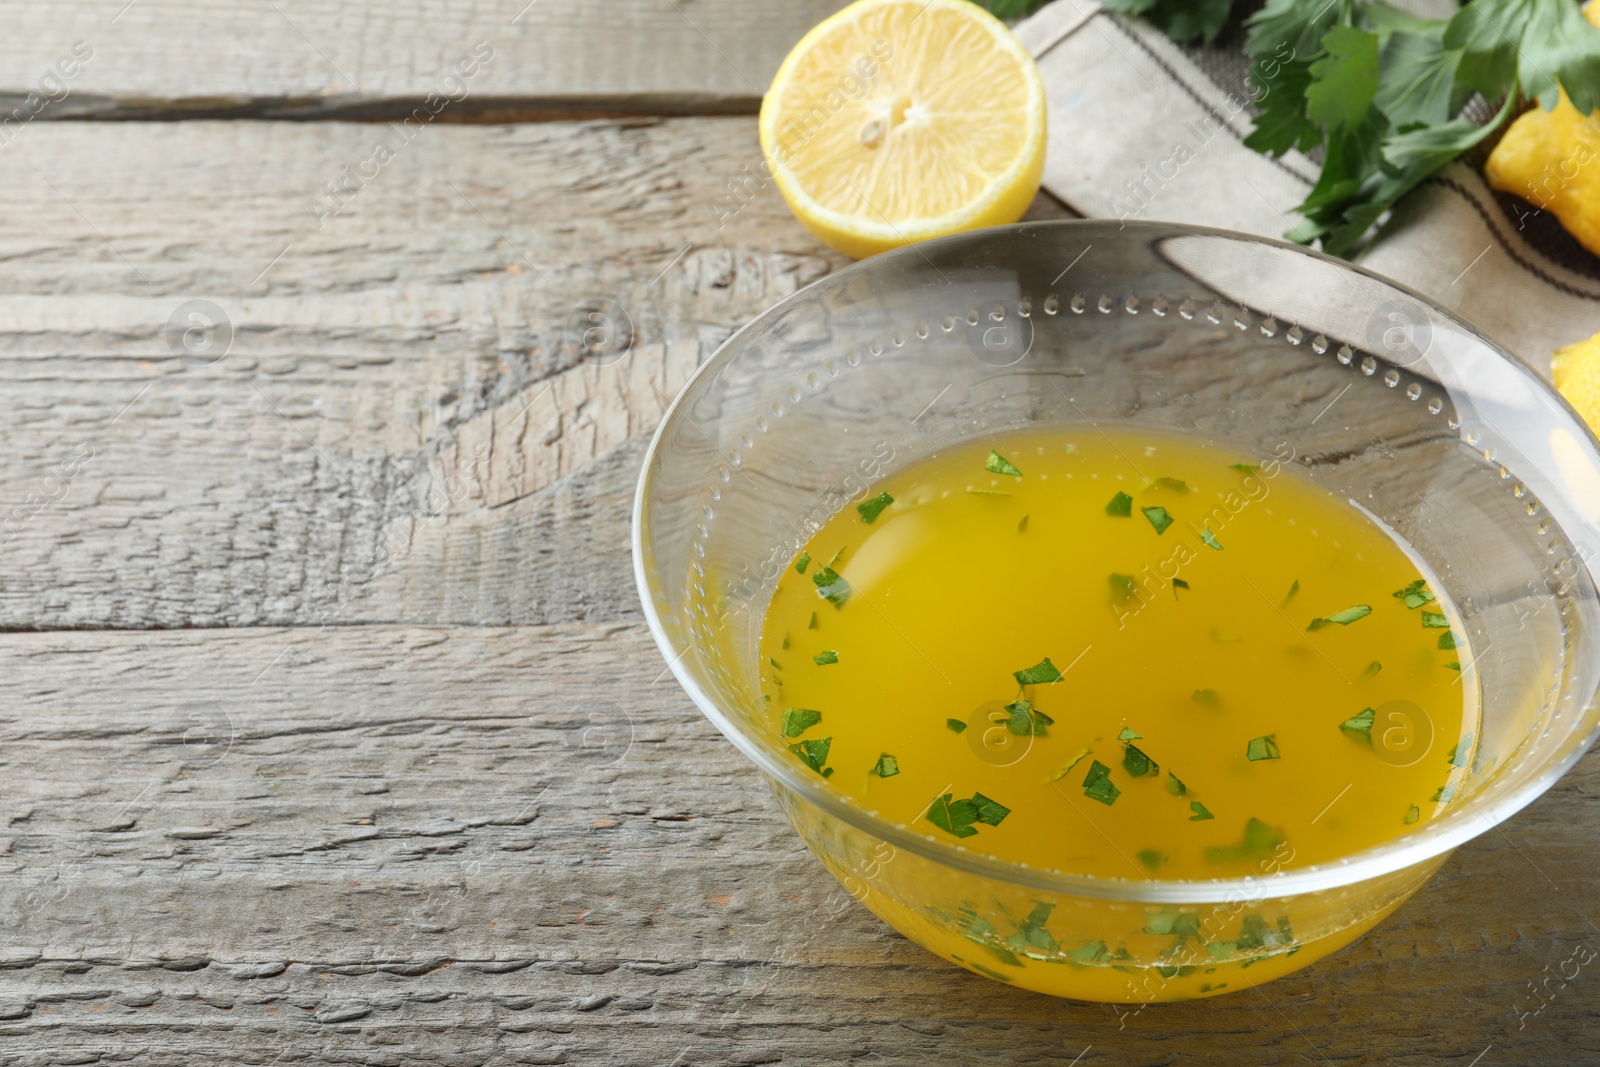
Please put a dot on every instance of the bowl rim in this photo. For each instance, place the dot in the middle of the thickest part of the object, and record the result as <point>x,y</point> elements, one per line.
<point>1435,840</point>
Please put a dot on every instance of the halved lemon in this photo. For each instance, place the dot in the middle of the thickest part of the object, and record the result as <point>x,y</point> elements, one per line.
<point>897,120</point>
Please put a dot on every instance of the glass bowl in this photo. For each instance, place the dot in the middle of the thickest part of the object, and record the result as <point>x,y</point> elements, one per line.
<point>1369,389</point>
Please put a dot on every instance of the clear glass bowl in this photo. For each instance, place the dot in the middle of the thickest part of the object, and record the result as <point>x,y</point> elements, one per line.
<point>1376,393</point>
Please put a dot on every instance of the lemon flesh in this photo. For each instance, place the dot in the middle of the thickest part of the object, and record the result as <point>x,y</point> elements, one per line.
<point>1575,371</point>
<point>898,120</point>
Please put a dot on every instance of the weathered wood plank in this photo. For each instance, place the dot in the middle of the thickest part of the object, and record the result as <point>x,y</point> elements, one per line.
<point>477,59</point>
<point>406,395</point>
<point>396,845</point>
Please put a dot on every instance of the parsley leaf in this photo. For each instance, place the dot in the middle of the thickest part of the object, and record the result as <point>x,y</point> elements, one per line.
<point>874,507</point>
<point>1261,748</point>
<point>1447,641</point>
<point>1121,506</point>
<point>1025,720</point>
<point>955,724</point>
<point>1458,755</point>
<point>989,812</point>
<point>954,816</point>
<point>1128,733</point>
<point>1343,618</point>
<point>830,587</point>
<point>1360,724</point>
<point>1207,698</point>
<point>1022,524</point>
<point>1344,80</point>
<point>1158,518</point>
<point>1294,587</point>
<point>797,721</point>
<point>814,754</point>
<point>822,659</point>
<point>1177,485</point>
<point>1413,813</point>
<point>1415,595</point>
<point>998,464</point>
<point>1210,539</point>
<point>1177,584</point>
<point>1444,794</point>
<point>1373,668</point>
<point>802,563</point>
<point>1097,784</point>
<point>1433,620</point>
<point>1136,763</point>
<point>812,625</point>
<point>1245,468</point>
<point>1175,785</point>
<point>1039,674</point>
<point>1123,587</point>
<point>1149,857</point>
<point>1200,812</point>
<point>886,767</point>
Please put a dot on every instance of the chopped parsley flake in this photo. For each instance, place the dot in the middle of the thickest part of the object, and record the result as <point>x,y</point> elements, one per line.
<point>775,664</point>
<point>813,624</point>
<point>1088,953</point>
<point>785,641</point>
<point>814,754</point>
<point>1158,518</point>
<point>1360,724</point>
<point>1097,784</point>
<point>1261,748</point>
<point>955,724</point>
<point>1210,539</point>
<point>1294,587</point>
<point>1136,763</point>
<point>797,721</point>
<point>1259,840</point>
<point>831,587</point>
<point>837,556</point>
<point>1022,524</point>
<point>1200,812</point>
<point>1177,584</point>
<point>990,812</point>
<point>1447,641</point>
<point>802,563</point>
<point>998,464</point>
<point>1175,923</point>
<point>1245,468</point>
<point>1413,813</point>
<point>1207,698</point>
<point>870,510</point>
<point>1024,719</point>
<point>886,767</point>
<point>1453,665</point>
<point>822,659</point>
<point>1121,506</point>
<point>1373,668</point>
<point>1415,595</point>
<point>1063,772</point>
<point>1458,755</point>
<point>1175,484</point>
<point>1343,618</point>
<point>1040,673</point>
<point>1150,857</point>
<point>1130,734</point>
<point>1175,785</point>
<point>954,816</point>
<point>957,816</point>
<point>1433,620</point>
<point>1444,794</point>
<point>1123,587</point>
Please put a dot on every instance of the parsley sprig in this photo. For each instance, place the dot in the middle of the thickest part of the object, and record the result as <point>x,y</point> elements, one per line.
<point>1381,92</point>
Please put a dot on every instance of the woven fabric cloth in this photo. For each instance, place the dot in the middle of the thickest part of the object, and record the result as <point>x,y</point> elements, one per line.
<point>1139,130</point>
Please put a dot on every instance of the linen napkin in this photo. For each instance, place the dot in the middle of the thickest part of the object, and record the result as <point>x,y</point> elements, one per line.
<point>1139,130</point>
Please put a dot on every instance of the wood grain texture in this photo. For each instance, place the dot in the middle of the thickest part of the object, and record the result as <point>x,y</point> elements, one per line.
<point>323,58</point>
<point>405,844</point>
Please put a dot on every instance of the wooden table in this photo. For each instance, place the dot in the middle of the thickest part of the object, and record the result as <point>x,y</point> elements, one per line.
<point>330,730</point>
